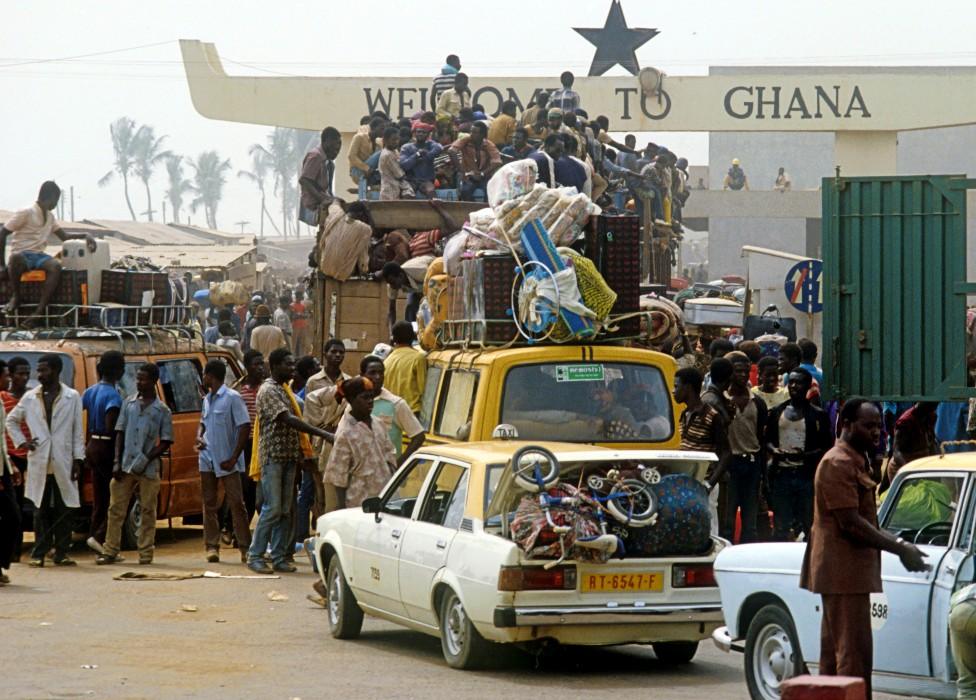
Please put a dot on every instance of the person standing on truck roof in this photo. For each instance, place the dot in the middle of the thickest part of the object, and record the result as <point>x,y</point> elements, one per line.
<point>362,460</point>
<point>842,562</point>
<point>746,465</point>
<point>703,429</point>
<point>19,370</point>
<point>225,428</point>
<point>281,451</point>
<point>444,80</point>
<point>10,479</point>
<point>451,102</point>
<point>565,98</point>
<point>144,432</point>
<point>52,411</point>
<point>392,411</point>
<point>29,230</point>
<point>317,179</point>
<point>265,337</point>
<point>102,402</point>
<point>406,367</point>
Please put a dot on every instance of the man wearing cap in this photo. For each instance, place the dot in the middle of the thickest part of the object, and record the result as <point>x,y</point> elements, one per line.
<point>266,337</point>
<point>554,123</point>
<point>417,159</point>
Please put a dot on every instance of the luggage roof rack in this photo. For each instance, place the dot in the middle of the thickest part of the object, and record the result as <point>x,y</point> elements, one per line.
<point>116,321</point>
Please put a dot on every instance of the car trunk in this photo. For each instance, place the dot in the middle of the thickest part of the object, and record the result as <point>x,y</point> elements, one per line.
<point>641,576</point>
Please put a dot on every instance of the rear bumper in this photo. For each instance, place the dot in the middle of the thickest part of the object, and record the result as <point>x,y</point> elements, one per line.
<point>604,615</point>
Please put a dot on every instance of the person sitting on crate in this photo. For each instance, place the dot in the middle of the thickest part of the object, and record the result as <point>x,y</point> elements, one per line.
<point>417,159</point>
<point>393,181</point>
<point>29,230</point>
<point>479,160</point>
<point>317,179</point>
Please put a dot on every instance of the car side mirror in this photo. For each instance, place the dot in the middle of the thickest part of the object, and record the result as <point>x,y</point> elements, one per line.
<point>372,505</point>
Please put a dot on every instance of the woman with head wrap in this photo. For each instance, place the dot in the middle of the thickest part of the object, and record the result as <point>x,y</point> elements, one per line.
<point>363,458</point>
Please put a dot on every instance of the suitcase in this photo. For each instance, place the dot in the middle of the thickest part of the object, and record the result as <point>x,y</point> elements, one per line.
<point>756,326</point>
<point>76,256</point>
<point>613,244</point>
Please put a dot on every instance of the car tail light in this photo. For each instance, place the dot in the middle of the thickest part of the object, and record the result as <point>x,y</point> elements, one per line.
<point>536,578</point>
<point>693,576</point>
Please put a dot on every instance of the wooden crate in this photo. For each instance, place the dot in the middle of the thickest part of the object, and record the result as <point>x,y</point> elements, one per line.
<point>356,312</point>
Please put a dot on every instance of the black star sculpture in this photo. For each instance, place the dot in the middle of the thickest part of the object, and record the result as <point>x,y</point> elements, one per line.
<point>616,42</point>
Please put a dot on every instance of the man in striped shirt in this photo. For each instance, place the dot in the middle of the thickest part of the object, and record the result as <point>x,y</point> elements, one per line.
<point>444,80</point>
<point>703,429</point>
<point>247,387</point>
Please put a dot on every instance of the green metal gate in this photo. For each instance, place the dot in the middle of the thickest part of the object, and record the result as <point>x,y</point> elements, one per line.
<point>894,251</point>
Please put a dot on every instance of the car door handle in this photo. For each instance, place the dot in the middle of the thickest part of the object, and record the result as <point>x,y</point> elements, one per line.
<point>951,570</point>
<point>396,534</point>
<point>441,544</point>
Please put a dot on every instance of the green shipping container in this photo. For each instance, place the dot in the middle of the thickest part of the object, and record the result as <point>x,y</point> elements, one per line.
<point>894,252</point>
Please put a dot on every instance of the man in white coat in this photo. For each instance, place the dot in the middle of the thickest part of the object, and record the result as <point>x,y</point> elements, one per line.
<point>52,412</point>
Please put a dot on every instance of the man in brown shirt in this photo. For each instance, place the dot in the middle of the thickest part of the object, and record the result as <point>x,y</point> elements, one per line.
<point>317,178</point>
<point>843,559</point>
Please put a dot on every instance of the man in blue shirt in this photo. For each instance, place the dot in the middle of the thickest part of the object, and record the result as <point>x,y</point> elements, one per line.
<point>520,148</point>
<point>102,402</point>
<point>144,431</point>
<point>417,159</point>
<point>225,428</point>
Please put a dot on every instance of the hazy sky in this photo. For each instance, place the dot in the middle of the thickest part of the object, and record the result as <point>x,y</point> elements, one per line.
<point>54,123</point>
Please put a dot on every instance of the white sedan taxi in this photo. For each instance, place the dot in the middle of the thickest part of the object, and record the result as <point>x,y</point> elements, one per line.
<point>435,553</point>
<point>932,503</point>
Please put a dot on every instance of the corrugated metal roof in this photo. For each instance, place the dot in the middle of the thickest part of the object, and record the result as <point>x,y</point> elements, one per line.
<point>178,257</point>
<point>222,237</point>
<point>150,233</point>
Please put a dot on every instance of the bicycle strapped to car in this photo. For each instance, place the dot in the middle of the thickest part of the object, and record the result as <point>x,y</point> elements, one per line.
<point>630,501</point>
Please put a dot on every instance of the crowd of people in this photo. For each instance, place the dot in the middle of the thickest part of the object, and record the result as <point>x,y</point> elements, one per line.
<point>453,149</point>
<point>279,444</point>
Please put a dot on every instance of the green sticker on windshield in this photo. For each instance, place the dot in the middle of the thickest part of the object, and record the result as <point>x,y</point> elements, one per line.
<point>579,373</point>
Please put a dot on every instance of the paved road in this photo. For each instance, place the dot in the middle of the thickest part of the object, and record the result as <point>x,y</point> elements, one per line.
<point>239,644</point>
<point>140,643</point>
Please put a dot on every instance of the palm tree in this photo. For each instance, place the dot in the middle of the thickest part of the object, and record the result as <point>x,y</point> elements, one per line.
<point>258,174</point>
<point>178,185</point>
<point>124,142</point>
<point>280,155</point>
<point>208,183</point>
<point>148,154</point>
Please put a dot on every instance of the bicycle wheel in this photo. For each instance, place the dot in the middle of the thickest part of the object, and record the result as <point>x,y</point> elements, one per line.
<point>535,469</point>
<point>633,503</point>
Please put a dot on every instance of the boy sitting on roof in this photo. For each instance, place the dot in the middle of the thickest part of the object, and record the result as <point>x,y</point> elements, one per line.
<point>29,230</point>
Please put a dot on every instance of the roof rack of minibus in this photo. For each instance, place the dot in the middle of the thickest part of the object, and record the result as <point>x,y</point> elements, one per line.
<point>123,323</point>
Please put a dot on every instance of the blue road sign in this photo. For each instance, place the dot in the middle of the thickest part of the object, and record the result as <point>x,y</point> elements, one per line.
<point>803,286</point>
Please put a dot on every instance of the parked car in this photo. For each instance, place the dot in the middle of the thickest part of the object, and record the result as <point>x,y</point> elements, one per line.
<point>181,362</point>
<point>597,394</point>
<point>435,553</point>
<point>776,624</point>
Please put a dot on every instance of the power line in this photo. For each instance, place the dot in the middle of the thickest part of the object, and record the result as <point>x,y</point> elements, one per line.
<point>87,55</point>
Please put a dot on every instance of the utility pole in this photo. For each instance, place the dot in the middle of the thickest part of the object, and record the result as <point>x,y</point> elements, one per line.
<point>148,213</point>
<point>242,224</point>
<point>164,211</point>
<point>72,189</point>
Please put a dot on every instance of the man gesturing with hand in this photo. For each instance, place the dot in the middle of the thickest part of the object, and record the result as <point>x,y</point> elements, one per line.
<point>843,559</point>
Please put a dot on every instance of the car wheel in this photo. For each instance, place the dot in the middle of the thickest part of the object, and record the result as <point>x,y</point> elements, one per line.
<point>675,653</point>
<point>345,615</point>
<point>130,527</point>
<point>772,652</point>
<point>462,644</point>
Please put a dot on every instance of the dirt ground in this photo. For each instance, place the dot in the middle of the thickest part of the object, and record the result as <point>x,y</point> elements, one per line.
<point>77,633</point>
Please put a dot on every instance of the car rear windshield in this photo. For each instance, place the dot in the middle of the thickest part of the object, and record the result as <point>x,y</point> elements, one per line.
<point>588,402</point>
<point>67,366</point>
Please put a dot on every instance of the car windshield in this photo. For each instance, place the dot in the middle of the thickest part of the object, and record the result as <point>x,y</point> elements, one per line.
<point>925,509</point>
<point>588,402</point>
<point>67,366</point>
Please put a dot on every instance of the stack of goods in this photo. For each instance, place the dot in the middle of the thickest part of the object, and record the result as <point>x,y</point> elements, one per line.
<point>532,531</point>
<point>522,241</point>
<point>660,322</point>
